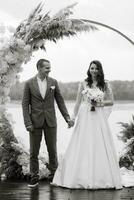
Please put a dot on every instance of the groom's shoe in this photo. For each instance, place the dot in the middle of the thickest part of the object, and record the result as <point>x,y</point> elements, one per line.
<point>49,177</point>
<point>33,183</point>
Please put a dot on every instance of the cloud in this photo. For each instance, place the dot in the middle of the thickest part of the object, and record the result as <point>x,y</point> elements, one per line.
<point>7,19</point>
<point>91,3</point>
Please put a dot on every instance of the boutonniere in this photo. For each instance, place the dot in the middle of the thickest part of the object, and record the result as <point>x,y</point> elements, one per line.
<point>52,87</point>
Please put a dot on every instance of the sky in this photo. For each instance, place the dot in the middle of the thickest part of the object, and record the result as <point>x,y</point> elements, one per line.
<point>70,58</point>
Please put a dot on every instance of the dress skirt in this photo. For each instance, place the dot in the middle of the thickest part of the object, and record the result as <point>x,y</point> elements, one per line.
<point>90,161</point>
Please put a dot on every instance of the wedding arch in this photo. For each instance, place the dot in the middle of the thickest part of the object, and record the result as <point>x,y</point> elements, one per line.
<point>111,28</point>
<point>29,36</point>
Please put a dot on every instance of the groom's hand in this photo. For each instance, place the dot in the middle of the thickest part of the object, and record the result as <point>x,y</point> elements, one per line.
<point>30,128</point>
<point>70,123</point>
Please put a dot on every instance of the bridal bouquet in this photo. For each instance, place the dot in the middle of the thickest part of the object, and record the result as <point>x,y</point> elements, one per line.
<point>94,96</point>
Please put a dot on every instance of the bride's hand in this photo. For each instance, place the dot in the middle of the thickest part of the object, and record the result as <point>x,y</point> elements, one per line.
<point>100,104</point>
<point>70,123</point>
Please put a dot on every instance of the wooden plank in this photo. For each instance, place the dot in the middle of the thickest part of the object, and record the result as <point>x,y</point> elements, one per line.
<point>19,190</point>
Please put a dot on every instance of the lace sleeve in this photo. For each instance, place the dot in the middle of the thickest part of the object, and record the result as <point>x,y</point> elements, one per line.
<point>108,93</point>
<point>78,100</point>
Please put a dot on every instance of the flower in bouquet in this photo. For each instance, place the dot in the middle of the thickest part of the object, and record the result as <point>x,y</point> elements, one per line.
<point>94,97</point>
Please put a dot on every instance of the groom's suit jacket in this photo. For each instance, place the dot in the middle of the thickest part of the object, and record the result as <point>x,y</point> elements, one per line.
<point>36,109</point>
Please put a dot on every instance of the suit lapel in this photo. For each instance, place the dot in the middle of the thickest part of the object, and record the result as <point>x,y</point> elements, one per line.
<point>36,87</point>
<point>48,86</point>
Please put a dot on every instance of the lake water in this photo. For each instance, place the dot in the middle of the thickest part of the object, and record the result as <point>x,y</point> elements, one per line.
<point>122,112</point>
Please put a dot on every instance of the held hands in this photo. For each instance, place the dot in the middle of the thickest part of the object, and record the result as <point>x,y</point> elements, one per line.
<point>70,123</point>
<point>30,128</point>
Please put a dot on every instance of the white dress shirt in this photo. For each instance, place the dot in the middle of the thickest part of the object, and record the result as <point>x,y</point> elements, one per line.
<point>42,86</point>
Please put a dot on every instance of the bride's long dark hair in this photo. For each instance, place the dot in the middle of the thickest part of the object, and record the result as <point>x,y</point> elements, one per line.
<point>100,77</point>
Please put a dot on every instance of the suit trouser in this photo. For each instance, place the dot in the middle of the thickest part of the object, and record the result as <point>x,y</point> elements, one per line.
<point>50,134</point>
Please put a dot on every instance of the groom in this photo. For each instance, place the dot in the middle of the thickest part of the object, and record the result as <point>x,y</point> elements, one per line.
<point>39,116</point>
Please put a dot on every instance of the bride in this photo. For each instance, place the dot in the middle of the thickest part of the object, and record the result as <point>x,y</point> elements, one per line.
<point>90,161</point>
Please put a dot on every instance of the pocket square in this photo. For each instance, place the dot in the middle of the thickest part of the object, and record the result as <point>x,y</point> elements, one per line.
<point>52,87</point>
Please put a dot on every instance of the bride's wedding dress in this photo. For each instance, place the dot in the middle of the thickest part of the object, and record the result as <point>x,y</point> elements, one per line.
<point>90,161</point>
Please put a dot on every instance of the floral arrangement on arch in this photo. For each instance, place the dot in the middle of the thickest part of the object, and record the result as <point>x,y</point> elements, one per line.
<point>30,36</point>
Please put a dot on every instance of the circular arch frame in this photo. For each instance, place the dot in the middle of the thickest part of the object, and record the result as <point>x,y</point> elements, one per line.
<point>111,28</point>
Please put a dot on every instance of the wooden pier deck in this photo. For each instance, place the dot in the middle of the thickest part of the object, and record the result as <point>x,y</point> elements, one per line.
<point>19,191</point>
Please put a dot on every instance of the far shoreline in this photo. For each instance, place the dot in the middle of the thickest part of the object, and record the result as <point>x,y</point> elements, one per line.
<point>73,101</point>
<point>120,105</point>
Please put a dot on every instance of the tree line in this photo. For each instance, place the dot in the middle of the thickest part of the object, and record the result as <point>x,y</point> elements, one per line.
<point>122,90</point>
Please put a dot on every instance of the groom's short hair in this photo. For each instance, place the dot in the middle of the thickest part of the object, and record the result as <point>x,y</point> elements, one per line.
<point>40,62</point>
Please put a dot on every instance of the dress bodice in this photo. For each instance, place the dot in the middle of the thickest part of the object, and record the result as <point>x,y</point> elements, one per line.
<point>85,93</point>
